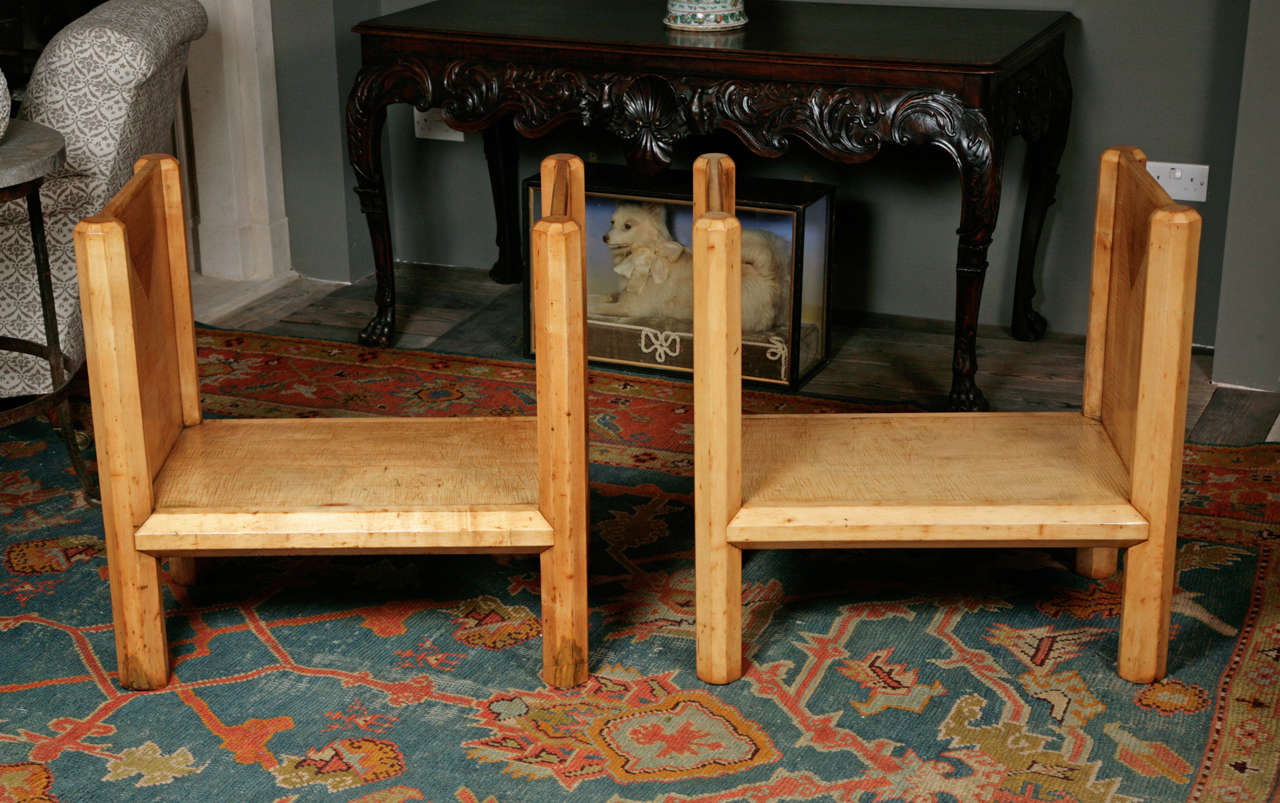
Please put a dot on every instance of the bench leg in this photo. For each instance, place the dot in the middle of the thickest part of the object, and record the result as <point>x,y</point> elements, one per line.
<point>137,608</point>
<point>182,570</point>
<point>1144,617</point>
<point>1097,563</point>
<point>719,609</point>
<point>564,612</point>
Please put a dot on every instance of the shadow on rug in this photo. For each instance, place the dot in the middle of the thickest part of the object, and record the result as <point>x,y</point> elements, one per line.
<point>873,675</point>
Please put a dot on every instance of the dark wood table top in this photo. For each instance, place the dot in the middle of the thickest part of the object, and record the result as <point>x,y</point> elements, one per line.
<point>954,39</point>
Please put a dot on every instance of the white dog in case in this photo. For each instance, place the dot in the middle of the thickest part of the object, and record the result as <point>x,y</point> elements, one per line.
<point>658,271</point>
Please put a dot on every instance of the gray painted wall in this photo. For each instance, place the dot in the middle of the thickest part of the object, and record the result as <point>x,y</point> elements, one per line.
<point>317,58</point>
<point>1162,74</point>
<point>1248,342</point>
<point>312,157</point>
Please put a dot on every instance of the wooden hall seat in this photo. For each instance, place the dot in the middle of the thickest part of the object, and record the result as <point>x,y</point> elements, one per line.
<point>175,485</point>
<point>1104,478</point>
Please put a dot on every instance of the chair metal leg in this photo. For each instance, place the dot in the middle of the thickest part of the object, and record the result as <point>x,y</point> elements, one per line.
<point>66,429</point>
<point>57,373</point>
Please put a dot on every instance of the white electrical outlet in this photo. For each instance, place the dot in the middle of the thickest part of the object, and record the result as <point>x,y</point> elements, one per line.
<point>1183,182</point>
<point>431,125</point>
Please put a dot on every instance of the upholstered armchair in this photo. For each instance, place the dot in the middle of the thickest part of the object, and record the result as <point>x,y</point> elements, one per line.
<point>109,82</point>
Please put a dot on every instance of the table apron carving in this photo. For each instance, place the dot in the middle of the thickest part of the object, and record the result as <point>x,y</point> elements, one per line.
<point>652,112</point>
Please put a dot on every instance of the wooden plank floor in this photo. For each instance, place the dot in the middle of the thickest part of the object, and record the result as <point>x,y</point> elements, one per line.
<point>1238,417</point>
<point>875,358</point>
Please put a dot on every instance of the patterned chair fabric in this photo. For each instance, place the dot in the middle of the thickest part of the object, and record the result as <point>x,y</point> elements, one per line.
<point>109,82</point>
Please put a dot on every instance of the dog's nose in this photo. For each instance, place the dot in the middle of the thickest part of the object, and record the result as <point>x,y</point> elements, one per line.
<point>606,239</point>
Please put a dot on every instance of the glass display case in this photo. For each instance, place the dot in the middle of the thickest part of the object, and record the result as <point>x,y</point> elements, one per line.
<point>640,278</point>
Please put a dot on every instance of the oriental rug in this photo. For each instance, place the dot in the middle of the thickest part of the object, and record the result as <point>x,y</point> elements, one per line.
<point>886,676</point>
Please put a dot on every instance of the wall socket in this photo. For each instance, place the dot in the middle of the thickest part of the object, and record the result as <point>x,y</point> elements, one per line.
<point>431,125</point>
<point>1183,182</point>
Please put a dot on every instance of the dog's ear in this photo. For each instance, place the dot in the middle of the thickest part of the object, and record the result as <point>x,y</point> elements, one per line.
<point>657,211</point>
<point>670,250</point>
<point>660,267</point>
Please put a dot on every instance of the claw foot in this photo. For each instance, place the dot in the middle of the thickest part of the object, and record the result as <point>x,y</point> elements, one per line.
<point>1028,325</point>
<point>378,332</point>
<point>966,397</point>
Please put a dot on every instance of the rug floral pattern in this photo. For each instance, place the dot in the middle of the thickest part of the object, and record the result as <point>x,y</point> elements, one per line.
<point>872,675</point>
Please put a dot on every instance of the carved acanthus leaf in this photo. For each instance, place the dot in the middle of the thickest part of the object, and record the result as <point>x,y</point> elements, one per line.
<point>404,80</point>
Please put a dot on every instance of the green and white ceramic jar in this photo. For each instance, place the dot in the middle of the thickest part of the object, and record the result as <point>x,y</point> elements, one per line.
<point>705,15</point>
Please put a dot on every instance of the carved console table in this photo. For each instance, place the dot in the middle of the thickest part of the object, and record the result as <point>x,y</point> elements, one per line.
<point>843,79</point>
